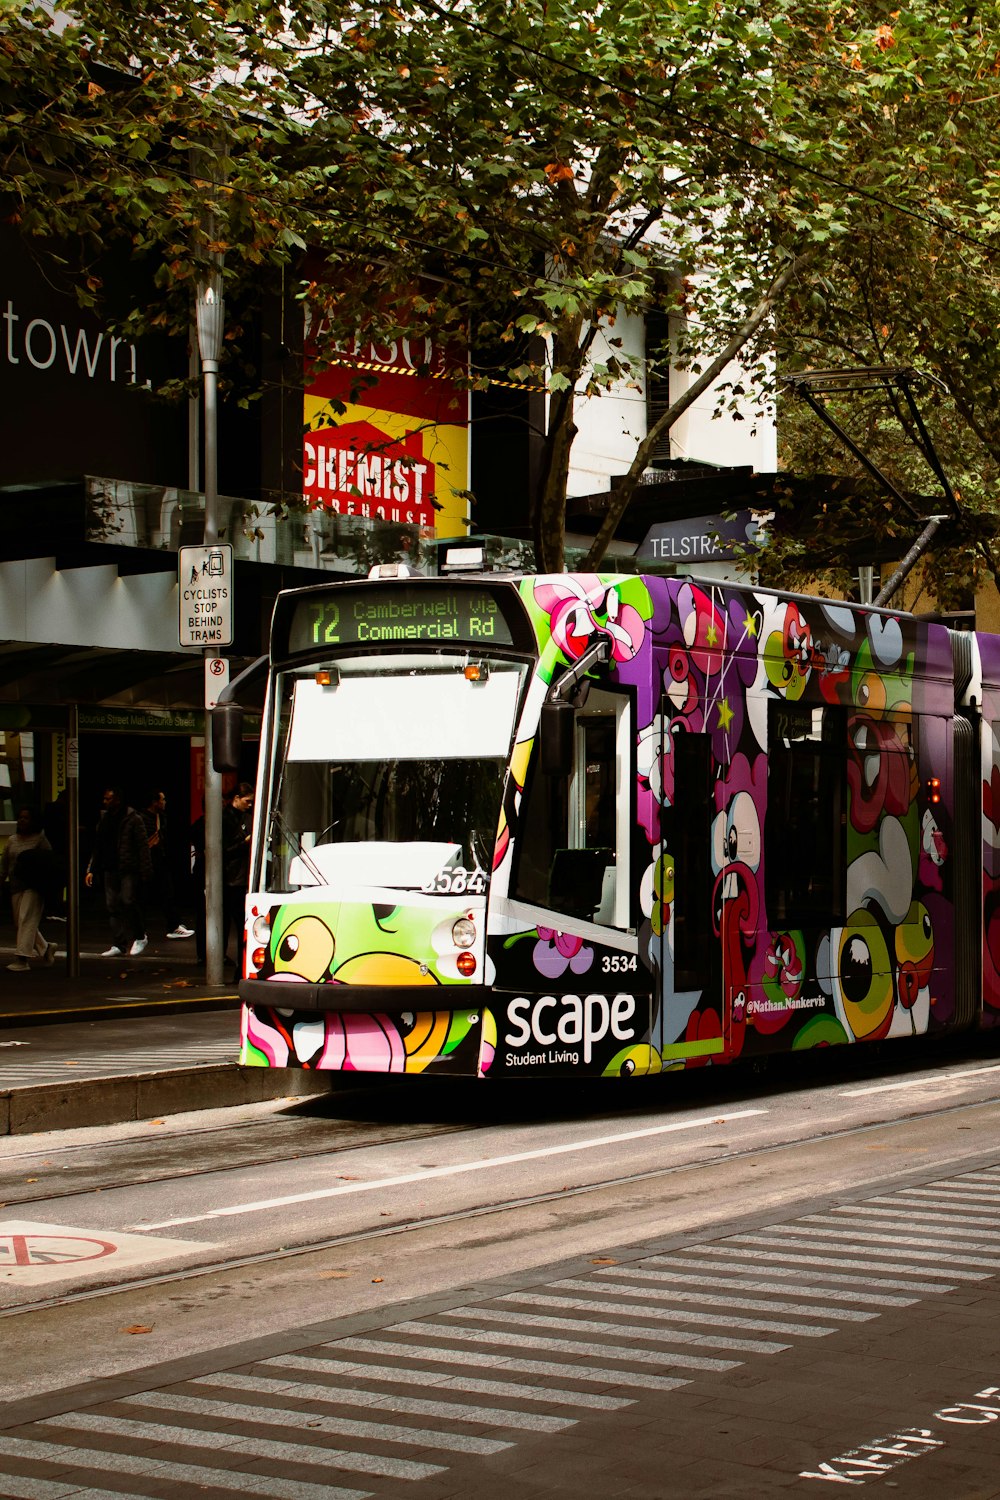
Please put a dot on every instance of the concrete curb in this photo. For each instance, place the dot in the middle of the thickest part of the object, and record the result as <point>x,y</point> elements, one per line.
<point>109,1010</point>
<point>143,1096</point>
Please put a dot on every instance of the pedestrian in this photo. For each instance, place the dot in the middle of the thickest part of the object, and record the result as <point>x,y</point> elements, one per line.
<point>236,829</point>
<point>162,884</point>
<point>198,882</point>
<point>27,864</point>
<point>121,859</point>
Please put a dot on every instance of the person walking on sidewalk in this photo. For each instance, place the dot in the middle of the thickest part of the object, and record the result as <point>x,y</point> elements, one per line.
<point>163,881</point>
<point>121,858</point>
<point>237,822</point>
<point>27,864</point>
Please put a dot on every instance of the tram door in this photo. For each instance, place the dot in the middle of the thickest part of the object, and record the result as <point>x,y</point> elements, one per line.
<point>697,1003</point>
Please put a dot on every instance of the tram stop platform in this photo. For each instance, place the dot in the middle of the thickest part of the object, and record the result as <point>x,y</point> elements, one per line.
<point>129,1039</point>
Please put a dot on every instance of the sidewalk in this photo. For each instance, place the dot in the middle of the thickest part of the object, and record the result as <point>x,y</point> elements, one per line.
<point>130,1039</point>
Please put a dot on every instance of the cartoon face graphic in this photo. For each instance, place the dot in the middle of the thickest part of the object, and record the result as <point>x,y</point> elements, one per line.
<point>915,961</point>
<point>302,948</point>
<point>864,976</point>
<point>788,654</point>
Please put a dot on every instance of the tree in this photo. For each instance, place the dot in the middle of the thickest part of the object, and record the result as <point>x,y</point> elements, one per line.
<point>514,172</point>
<point>914,286</point>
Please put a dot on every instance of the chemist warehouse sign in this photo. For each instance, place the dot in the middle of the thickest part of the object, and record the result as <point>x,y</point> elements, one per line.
<point>205,591</point>
<point>387,434</point>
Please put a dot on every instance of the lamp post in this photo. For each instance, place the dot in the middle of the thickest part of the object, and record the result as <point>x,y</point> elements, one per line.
<point>210,313</point>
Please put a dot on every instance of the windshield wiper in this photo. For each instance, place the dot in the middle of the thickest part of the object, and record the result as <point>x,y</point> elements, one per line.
<point>296,843</point>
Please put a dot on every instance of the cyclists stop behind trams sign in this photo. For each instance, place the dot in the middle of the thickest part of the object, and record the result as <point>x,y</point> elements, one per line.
<point>205,593</point>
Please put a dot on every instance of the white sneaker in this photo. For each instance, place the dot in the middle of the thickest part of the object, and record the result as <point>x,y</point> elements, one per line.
<point>19,966</point>
<point>180,931</point>
<point>49,956</point>
<point>139,946</point>
<point>112,952</point>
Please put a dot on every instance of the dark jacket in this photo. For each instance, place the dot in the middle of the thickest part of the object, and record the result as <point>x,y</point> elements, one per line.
<point>122,846</point>
<point>236,828</point>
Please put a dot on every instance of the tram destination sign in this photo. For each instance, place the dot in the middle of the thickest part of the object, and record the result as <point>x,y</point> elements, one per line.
<point>205,595</point>
<point>389,614</point>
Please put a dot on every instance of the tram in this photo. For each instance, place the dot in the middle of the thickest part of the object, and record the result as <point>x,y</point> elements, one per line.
<point>611,825</point>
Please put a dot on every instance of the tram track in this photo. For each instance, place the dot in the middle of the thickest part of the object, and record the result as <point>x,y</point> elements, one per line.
<point>728,1159</point>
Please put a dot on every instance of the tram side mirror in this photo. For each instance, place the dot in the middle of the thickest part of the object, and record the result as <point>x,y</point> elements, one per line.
<point>227,736</point>
<point>558,721</point>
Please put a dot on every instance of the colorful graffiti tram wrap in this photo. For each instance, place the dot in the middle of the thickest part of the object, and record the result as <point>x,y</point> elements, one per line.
<point>616,825</point>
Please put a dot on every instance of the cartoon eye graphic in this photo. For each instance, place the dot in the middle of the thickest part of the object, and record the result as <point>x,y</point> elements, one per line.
<point>871,693</point>
<point>305,949</point>
<point>866,982</point>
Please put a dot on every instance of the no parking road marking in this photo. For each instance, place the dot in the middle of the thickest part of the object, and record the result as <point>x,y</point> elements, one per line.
<point>31,1253</point>
<point>50,1249</point>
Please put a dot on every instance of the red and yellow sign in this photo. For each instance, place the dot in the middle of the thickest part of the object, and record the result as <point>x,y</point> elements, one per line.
<point>399,451</point>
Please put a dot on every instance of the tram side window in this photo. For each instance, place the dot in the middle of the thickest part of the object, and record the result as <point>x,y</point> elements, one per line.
<point>805,825</point>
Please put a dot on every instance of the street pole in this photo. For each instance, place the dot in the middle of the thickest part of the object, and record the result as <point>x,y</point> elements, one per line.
<point>210,314</point>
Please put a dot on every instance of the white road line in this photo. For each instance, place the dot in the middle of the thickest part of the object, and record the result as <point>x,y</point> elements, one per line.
<point>741,1263</point>
<point>920,1215</point>
<point>447,1381</point>
<point>928,1081</point>
<point>621,1307</point>
<point>340,1395</point>
<point>26,1487</point>
<point>231,1481</point>
<point>715,1299</point>
<point>518,1340</point>
<point>861,1232</point>
<point>885,1245</point>
<point>470,1358</point>
<point>617,1299</point>
<point>247,1446</point>
<point>590,1326</point>
<point>276,1416</point>
<point>789,1289</point>
<point>542,1153</point>
<point>945,1197</point>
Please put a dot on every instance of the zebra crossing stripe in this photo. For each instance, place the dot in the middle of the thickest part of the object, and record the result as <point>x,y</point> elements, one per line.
<point>915,1215</point>
<point>620,1291</point>
<point>26,1487</point>
<point>446,1380</point>
<point>792,1265</point>
<point>338,1395</point>
<point>103,1461</point>
<point>463,1332</point>
<point>791,1288</point>
<point>875,1245</point>
<point>276,1416</point>
<point>667,1336</point>
<point>247,1445</point>
<point>976,1199</point>
<point>858,1231</point>
<point>479,1357</point>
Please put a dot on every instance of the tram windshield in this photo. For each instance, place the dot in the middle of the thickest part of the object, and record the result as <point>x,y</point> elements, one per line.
<point>388,770</point>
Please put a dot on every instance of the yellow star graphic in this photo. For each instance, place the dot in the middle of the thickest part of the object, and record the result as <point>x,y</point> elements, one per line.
<point>750,625</point>
<point>725,714</point>
<point>712,635</point>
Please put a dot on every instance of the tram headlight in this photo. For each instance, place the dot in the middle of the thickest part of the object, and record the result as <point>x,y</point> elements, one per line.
<point>261,930</point>
<point>463,933</point>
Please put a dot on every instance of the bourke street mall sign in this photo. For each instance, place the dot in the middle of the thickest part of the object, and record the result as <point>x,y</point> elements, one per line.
<point>205,594</point>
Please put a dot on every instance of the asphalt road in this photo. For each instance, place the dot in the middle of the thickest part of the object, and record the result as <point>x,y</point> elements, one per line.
<point>706,1285</point>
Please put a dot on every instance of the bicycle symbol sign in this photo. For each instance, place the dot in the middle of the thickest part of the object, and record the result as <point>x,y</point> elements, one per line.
<point>51,1249</point>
